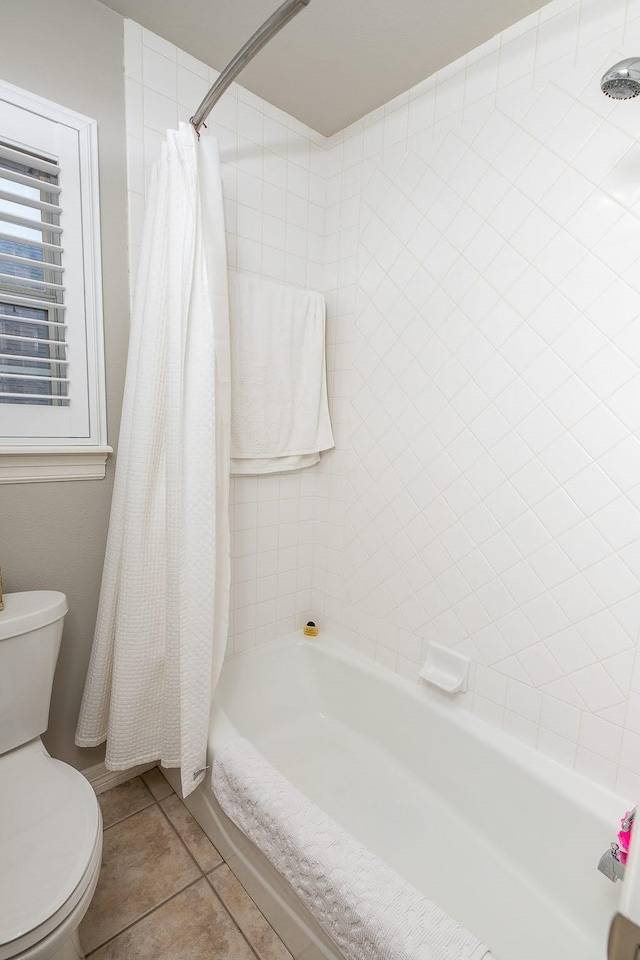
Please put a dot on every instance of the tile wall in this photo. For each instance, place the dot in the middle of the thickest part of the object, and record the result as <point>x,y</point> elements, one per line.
<point>478,242</point>
<point>274,187</point>
<point>483,272</point>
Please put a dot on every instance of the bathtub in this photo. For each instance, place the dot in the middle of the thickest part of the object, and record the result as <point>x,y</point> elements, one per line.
<point>500,837</point>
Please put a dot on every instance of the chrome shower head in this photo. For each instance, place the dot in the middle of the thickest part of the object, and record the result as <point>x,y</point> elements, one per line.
<point>622,81</point>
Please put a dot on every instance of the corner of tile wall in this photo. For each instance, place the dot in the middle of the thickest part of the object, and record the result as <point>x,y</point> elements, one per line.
<point>485,358</point>
<point>481,491</point>
<point>273,171</point>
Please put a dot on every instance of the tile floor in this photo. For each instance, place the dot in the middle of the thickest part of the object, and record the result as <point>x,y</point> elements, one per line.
<point>164,892</point>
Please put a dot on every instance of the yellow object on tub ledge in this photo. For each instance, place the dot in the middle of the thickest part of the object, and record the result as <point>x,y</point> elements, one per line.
<point>310,629</point>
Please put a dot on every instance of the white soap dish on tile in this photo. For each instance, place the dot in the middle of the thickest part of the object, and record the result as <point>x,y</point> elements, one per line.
<point>445,669</point>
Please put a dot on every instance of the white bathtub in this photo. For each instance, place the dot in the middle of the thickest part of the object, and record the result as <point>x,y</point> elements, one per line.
<point>501,838</point>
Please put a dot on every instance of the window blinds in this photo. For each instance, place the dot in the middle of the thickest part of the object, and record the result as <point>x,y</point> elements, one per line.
<point>33,332</point>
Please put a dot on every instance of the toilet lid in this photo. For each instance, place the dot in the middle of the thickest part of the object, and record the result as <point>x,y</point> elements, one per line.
<point>49,821</point>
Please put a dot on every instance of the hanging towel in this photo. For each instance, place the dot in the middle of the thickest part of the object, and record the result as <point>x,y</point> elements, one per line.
<point>162,620</point>
<point>368,910</point>
<point>279,408</point>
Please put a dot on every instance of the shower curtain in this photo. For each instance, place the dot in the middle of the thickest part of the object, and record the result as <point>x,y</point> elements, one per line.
<point>163,613</point>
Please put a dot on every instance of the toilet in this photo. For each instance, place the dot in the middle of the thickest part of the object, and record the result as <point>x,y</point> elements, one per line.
<point>50,820</point>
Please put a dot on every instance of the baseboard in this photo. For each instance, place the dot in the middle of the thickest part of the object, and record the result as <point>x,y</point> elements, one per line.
<point>102,779</point>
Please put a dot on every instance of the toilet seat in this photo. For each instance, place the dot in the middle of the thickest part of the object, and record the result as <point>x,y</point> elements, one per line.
<point>50,849</point>
<point>44,942</point>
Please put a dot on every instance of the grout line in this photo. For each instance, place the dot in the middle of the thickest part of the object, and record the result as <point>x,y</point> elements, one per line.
<point>203,876</point>
<point>162,902</point>
<point>129,815</point>
<point>143,916</point>
<point>175,830</point>
<point>206,875</point>
<point>277,935</point>
<point>233,919</point>
<point>143,775</point>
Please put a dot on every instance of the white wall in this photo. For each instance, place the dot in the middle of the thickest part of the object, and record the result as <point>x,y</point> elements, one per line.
<point>53,535</point>
<point>483,247</point>
<point>478,241</point>
<point>274,187</point>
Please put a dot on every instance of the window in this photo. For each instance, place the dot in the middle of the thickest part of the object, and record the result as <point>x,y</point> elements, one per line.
<point>52,404</point>
<point>33,344</point>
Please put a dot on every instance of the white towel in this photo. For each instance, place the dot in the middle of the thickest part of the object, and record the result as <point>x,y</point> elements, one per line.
<point>279,408</point>
<point>255,466</point>
<point>369,911</point>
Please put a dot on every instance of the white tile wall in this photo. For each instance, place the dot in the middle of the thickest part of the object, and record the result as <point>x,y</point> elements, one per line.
<point>274,187</point>
<point>477,241</point>
<point>483,269</point>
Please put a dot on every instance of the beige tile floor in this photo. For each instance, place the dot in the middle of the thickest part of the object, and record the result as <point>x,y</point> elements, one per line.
<point>164,892</point>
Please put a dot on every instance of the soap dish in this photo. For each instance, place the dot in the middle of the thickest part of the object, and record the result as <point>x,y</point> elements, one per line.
<point>445,669</point>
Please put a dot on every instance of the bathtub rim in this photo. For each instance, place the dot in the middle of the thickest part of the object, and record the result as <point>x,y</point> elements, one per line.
<point>289,918</point>
<point>590,796</point>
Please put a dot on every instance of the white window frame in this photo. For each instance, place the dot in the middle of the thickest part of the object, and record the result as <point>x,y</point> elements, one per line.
<point>33,459</point>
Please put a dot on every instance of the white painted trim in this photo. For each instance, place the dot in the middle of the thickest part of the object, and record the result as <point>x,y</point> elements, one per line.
<point>90,345</point>
<point>92,251</point>
<point>39,464</point>
<point>102,779</point>
<point>45,108</point>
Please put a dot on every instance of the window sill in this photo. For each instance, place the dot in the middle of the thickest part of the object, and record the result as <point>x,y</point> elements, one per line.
<point>41,464</point>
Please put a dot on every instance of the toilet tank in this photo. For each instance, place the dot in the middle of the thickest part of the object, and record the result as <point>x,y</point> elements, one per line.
<point>30,634</point>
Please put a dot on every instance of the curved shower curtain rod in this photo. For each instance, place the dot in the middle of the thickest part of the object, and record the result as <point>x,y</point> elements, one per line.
<point>269,28</point>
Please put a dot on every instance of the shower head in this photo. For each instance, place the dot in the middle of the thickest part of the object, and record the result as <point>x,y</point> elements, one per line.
<point>622,81</point>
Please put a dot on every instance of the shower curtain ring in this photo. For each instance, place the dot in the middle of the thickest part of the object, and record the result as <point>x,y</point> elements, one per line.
<point>197,127</point>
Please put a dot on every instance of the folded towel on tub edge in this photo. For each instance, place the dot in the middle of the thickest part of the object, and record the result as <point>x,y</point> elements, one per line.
<point>368,910</point>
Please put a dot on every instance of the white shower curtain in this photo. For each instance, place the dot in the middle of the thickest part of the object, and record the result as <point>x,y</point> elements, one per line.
<point>163,614</point>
